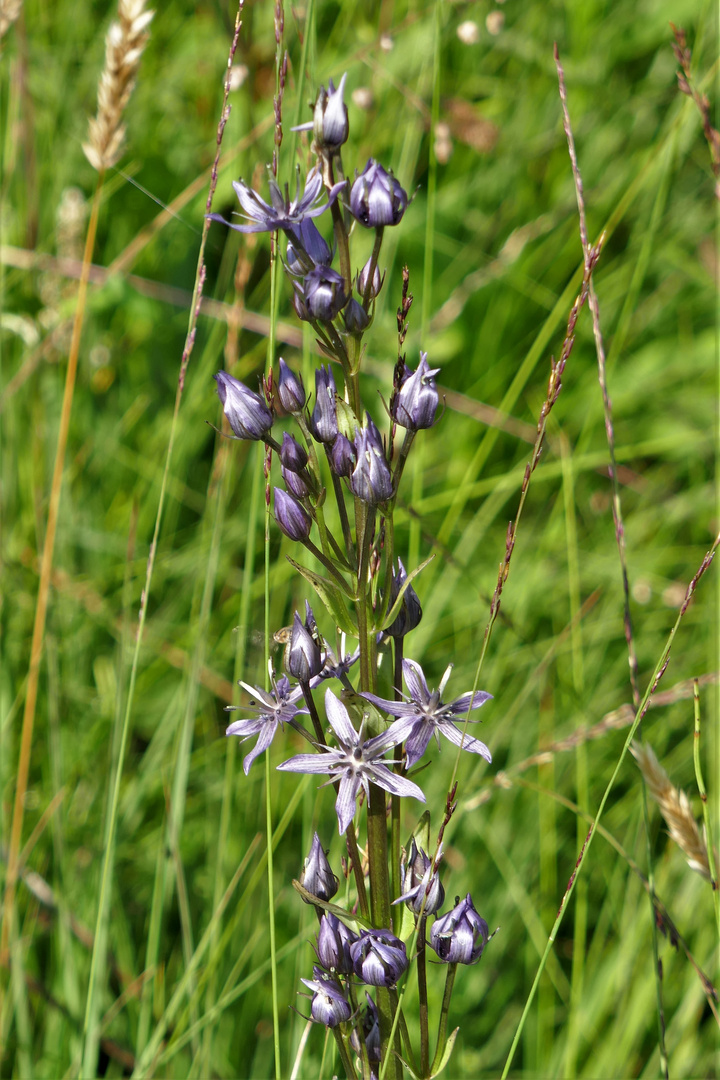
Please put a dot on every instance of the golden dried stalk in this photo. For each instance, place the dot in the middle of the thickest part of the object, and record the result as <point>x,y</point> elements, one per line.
<point>9,11</point>
<point>124,47</point>
<point>674,807</point>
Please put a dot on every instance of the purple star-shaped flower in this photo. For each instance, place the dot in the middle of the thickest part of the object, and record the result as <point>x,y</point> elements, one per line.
<point>277,708</point>
<point>356,763</point>
<point>282,212</point>
<point>423,714</point>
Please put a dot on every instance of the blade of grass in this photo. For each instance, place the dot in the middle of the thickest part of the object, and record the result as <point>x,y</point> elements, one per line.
<point>658,673</point>
<point>92,1002</point>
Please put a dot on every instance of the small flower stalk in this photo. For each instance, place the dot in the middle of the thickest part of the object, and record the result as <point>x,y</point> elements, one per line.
<point>336,465</point>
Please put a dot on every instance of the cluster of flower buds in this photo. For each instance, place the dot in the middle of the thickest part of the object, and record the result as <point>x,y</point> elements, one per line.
<point>378,957</point>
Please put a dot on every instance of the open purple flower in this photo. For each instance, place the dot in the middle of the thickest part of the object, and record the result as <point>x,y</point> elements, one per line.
<point>274,710</point>
<point>282,212</point>
<point>356,763</point>
<point>424,714</point>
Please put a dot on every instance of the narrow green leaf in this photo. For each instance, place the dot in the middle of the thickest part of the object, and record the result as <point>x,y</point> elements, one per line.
<point>447,1051</point>
<point>334,909</point>
<point>330,596</point>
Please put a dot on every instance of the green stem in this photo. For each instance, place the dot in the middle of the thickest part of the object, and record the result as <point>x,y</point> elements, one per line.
<point>342,511</point>
<point>423,999</point>
<point>373,263</point>
<point>704,801</point>
<point>350,837</point>
<point>341,238</point>
<point>442,1027</point>
<point>344,1055</point>
<point>328,564</point>
<point>395,799</point>
<point>365,1061</point>
<point>402,460</point>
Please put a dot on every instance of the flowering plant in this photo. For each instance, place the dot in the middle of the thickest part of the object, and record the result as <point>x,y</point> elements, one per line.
<point>372,741</point>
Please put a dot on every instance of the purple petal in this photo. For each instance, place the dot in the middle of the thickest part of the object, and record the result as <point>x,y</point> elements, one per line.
<point>246,728</point>
<point>337,714</point>
<point>452,732</point>
<point>309,763</point>
<point>415,681</point>
<point>238,228</point>
<point>396,785</point>
<point>264,739</point>
<point>394,735</point>
<point>417,743</point>
<point>345,802</point>
<point>463,703</point>
<point>395,708</point>
<point>250,200</point>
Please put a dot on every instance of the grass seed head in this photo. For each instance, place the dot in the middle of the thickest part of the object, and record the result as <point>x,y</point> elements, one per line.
<point>124,47</point>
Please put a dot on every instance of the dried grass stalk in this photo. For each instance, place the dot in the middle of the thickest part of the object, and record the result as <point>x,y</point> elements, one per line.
<point>124,47</point>
<point>9,11</point>
<point>674,807</point>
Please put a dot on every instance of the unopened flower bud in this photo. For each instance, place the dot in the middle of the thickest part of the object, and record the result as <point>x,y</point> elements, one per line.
<point>333,945</point>
<point>324,418</point>
<point>296,483</point>
<point>247,413</point>
<point>355,317</point>
<point>379,957</point>
<point>317,876</point>
<point>370,1022</point>
<point>416,402</point>
<point>330,117</point>
<point>298,301</point>
<point>422,890</point>
<point>364,277</point>
<point>307,248</point>
<point>324,292</point>
<point>291,516</point>
<point>292,455</point>
<point>460,936</point>
<point>329,1005</point>
<point>302,658</point>
<point>376,197</point>
<point>342,456</point>
<point>291,391</point>
<point>371,479</point>
<point>410,613</point>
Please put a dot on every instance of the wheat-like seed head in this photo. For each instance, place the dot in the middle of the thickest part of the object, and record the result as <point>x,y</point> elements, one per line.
<point>9,11</point>
<point>674,807</point>
<point>124,46</point>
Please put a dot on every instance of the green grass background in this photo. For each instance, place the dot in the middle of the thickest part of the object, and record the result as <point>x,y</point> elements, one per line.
<point>505,263</point>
